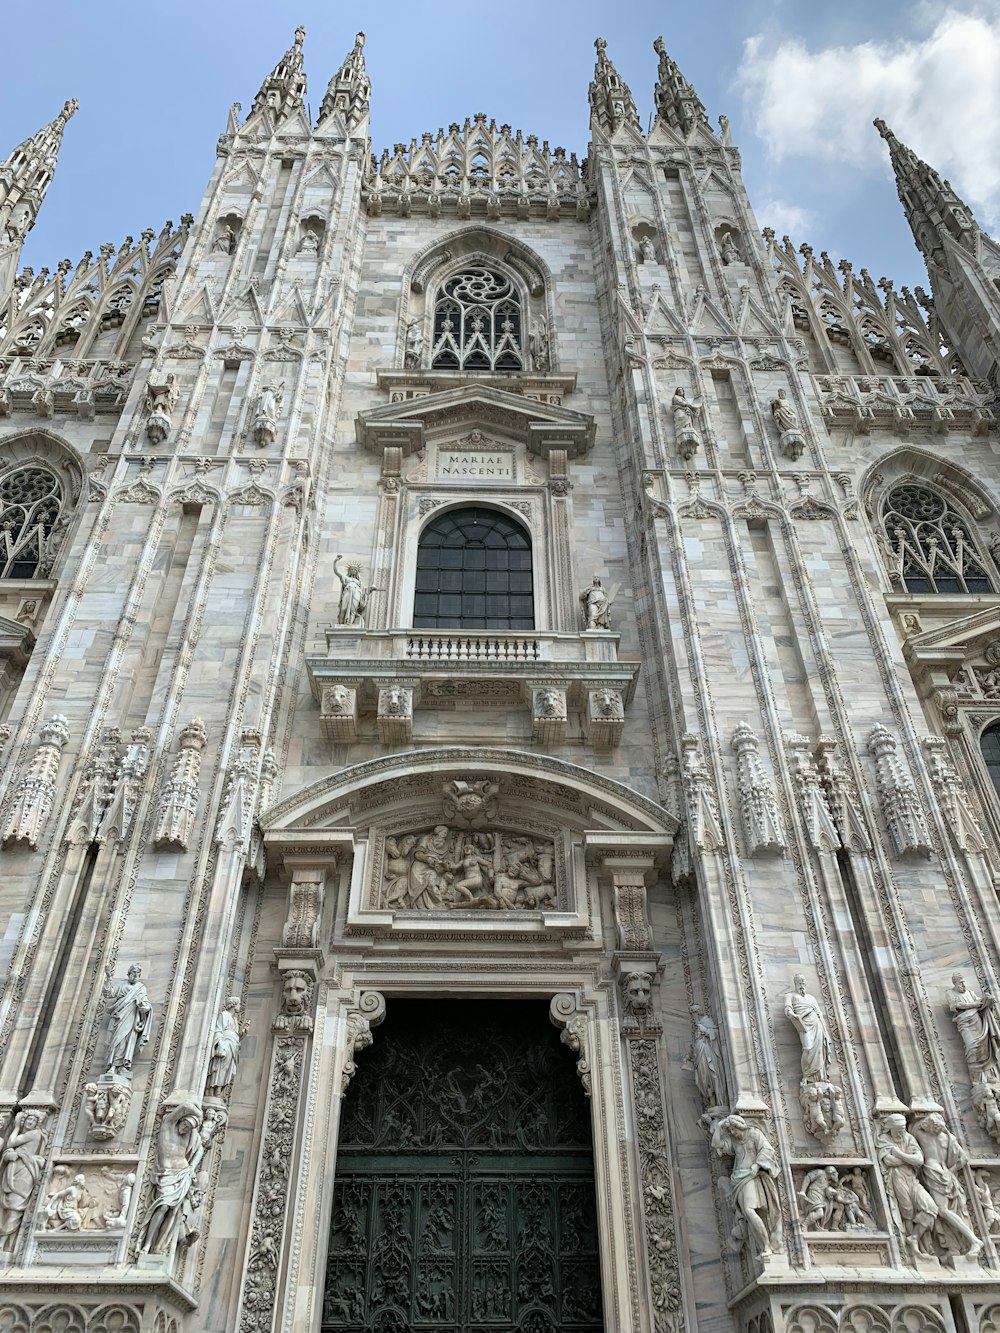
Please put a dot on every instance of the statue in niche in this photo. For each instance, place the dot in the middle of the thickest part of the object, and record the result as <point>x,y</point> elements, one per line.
<point>687,433</point>
<point>784,414</point>
<point>130,1019</point>
<point>943,1158</point>
<point>806,1016</point>
<point>414,350</point>
<point>454,869</point>
<point>975,1017</point>
<point>225,1048</point>
<point>705,1060</point>
<point>646,253</point>
<point>309,243</point>
<point>266,409</point>
<point>596,606</point>
<point>751,1187</point>
<point>21,1166</point>
<point>728,250</point>
<point>225,239</point>
<point>353,594</point>
<point>538,344</point>
<point>830,1201</point>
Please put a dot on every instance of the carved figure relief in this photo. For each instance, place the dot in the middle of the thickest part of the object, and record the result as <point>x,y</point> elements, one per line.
<point>834,1199</point>
<point>925,1193</point>
<point>452,869</point>
<point>87,1198</point>
<point>414,351</point>
<point>106,1104</point>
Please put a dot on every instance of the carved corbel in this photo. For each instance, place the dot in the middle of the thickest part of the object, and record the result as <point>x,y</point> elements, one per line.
<point>368,1013</point>
<point>338,713</point>
<point>548,714</point>
<point>605,717</point>
<point>395,714</point>
<point>565,1013</point>
<point>305,907</point>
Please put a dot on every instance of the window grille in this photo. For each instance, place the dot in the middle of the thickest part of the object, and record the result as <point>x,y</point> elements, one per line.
<point>30,502</point>
<point>477,323</point>
<point>474,572</point>
<point>931,544</point>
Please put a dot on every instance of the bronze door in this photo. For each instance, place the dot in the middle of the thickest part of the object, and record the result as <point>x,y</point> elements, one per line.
<point>464,1198</point>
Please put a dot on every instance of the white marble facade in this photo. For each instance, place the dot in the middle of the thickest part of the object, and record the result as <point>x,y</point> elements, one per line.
<point>721,801</point>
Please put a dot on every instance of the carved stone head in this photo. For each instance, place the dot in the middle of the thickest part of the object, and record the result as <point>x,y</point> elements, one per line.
<point>295,991</point>
<point>638,986</point>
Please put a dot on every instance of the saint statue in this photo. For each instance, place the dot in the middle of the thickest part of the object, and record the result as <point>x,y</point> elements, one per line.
<point>976,1019</point>
<point>130,1019</point>
<point>225,1048</point>
<point>20,1171</point>
<point>753,1190</point>
<point>706,1059</point>
<point>806,1016</point>
<point>596,606</point>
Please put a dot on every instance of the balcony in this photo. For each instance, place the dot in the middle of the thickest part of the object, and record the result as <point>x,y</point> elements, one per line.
<point>372,684</point>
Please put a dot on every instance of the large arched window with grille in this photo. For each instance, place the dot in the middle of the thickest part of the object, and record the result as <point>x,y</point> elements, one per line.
<point>477,323</point>
<point>474,572</point>
<point>31,500</point>
<point>932,545</point>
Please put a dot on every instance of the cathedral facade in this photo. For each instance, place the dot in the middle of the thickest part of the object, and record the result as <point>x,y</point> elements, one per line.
<point>499,789</point>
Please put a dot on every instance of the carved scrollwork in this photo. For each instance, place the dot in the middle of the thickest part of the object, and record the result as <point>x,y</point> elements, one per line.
<point>369,1013</point>
<point>566,1015</point>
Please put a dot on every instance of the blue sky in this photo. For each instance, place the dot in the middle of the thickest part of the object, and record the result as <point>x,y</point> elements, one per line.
<point>799,79</point>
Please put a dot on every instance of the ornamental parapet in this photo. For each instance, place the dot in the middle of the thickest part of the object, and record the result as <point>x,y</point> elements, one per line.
<point>64,388</point>
<point>376,682</point>
<point>901,401</point>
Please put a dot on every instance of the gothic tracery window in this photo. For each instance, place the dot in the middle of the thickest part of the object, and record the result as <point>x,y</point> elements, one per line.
<point>30,502</point>
<point>477,323</point>
<point>931,543</point>
<point>474,572</point>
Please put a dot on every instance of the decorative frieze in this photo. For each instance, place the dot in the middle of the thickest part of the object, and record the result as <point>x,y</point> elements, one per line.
<point>179,798</point>
<point>83,1197</point>
<point>453,869</point>
<point>35,793</point>
<point>755,792</point>
<point>901,809</point>
<point>834,1198</point>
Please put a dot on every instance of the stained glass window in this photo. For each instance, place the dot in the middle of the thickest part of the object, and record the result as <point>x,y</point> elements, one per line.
<point>30,502</point>
<point>931,544</point>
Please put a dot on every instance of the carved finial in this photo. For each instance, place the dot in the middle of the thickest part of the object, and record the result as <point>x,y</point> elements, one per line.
<point>611,102</point>
<point>677,104</point>
<point>934,211</point>
<point>284,89</point>
<point>349,91</point>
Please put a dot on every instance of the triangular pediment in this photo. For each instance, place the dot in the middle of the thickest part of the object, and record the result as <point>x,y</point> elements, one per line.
<point>542,426</point>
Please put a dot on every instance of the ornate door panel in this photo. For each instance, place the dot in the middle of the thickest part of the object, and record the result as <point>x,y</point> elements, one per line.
<point>464,1198</point>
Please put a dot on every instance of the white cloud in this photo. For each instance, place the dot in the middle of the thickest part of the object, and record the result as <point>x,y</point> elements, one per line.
<point>941,95</point>
<point>784,218</point>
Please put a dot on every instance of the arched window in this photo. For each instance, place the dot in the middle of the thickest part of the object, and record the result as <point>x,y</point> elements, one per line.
<point>474,572</point>
<point>477,323</point>
<point>989,744</point>
<point>933,548</point>
<point>30,502</point>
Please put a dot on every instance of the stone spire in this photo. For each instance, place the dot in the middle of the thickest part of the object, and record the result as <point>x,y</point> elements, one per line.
<point>611,102</point>
<point>284,89</point>
<point>677,104</point>
<point>349,91</point>
<point>24,178</point>
<point>933,209</point>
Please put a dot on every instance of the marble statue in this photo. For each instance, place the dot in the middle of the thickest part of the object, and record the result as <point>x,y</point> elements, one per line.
<point>902,1160</point>
<point>538,344</point>
<point>179,1150</point>
<point>727,249</point>
<point>64,1209</point>
<point>806,1016</point>
<point>225,1048</point>
<point>786,418</point>
<point>353,594</point>
<point>686,431</point>
<point>309,244</point>
<point>646,251</point>
<point>752,1186</point>
<point>414,345</point>
<point>705,1059</point>
<point>596,606</point>
<point>976,1018</point>
<point>21,1166</point>
<point>225,240</point>
<point>130,1019</point>
<point>944,1157</point>
<point>830,1202</point>
<point>266,409</point>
